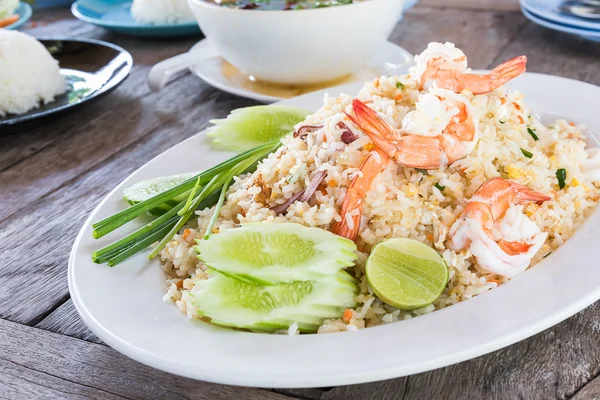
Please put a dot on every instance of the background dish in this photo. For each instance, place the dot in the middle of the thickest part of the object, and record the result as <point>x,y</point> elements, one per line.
<point>550,10</point>
<point>115,15</point>
<point>87,80</point>
<point>24,12</point>
<point>587,34</point>
<point>447,336</point>
<point>306,50</point>
<point>390,59</point>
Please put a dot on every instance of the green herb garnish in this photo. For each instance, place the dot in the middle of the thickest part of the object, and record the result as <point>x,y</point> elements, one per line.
<point>533,135</point>
<point>561,175</point>
<point>423,171</point>
<point>210,185</point>
<point>502,122</point>
<point>526,153</point>
<point>440,187</point>
<point>399,85</point>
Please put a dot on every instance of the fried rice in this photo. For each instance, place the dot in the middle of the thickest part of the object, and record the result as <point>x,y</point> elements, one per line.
<point>402,202</point>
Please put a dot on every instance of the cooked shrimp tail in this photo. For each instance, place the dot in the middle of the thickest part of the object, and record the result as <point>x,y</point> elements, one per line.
<point>499,76</point>
<point>445,66</point>
<point>372,125</point>
<point>524,194</point>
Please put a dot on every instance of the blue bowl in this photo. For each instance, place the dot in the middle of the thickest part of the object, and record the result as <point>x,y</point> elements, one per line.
<point>115,15</point>
<point>24,13</point>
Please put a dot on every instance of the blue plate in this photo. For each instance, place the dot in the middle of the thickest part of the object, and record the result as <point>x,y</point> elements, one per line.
<point>24,12</point>
<point>115,15</point>
<point>586,34</point>
<point>550,10</point>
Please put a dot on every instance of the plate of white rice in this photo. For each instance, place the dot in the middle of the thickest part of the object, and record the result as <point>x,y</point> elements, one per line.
<point>42,77</point>
<point>141,307</point>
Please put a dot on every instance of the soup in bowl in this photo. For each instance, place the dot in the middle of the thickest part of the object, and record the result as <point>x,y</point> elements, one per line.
<point>297,43</point>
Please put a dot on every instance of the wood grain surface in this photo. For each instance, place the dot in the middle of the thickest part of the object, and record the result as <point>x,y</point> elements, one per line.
<point>53,174</point>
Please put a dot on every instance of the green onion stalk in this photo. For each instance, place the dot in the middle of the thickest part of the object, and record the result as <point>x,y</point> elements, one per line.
<point>205,189</point>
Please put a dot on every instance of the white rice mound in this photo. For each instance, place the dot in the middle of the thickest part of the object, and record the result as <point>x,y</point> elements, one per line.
<point>161,11</point>
<point>8,7</point>
<point>29,76</point>
<point>403,202</point>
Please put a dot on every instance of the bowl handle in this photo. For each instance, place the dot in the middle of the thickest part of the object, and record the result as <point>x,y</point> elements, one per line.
<point>165,71</point>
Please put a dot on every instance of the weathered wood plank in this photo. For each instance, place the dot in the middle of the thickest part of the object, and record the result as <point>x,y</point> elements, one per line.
<point>555,53</point>
<point>485,5</point>
<point>591,391</point>
<point>551,365</point>
<point>66,321</point>
<point>384,390</point>
<point>100,367</point>
<point>34,261</point>
<point>20,383</point>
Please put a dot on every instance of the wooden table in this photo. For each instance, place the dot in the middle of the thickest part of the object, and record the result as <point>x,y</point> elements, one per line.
<point>54,174</point>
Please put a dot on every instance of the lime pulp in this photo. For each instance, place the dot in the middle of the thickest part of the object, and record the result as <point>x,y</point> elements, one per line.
<point>406,274</point>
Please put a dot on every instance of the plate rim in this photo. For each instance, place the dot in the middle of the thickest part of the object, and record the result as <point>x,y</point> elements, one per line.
<point>290,380</point>
<point>105,89</point>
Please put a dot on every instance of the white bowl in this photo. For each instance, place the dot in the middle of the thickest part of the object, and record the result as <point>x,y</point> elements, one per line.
<point>299,47</point>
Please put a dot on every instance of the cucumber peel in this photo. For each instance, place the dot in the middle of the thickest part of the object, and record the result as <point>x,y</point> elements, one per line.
<point>270,253</point>
<point>248,127</point>
<point>233,303</point>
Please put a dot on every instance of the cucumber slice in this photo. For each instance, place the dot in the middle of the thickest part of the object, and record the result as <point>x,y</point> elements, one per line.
<point>232,303</point>
<point>249,127</point>
<point>269,253</point>
<point>151,187</point>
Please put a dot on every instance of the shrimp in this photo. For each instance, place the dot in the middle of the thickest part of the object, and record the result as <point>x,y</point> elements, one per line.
<point>370,168</point>
<point>445,66</point>
<point>496,231</point>
<point>442,130</point>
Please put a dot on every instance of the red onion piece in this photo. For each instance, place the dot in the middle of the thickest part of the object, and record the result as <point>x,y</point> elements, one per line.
<point>306,129</point>
<point>347,135</point>
<point>313,185</point>
<point>281,208</point>
<point>303,195</point>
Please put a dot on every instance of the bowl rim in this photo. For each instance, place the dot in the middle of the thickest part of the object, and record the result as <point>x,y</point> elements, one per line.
<point>361,3</point>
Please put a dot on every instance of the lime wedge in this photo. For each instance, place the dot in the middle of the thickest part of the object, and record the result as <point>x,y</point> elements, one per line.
<point>249,127</point>
<point>406,274</point>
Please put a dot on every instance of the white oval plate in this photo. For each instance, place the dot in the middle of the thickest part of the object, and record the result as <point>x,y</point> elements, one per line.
<point>123,306</point>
